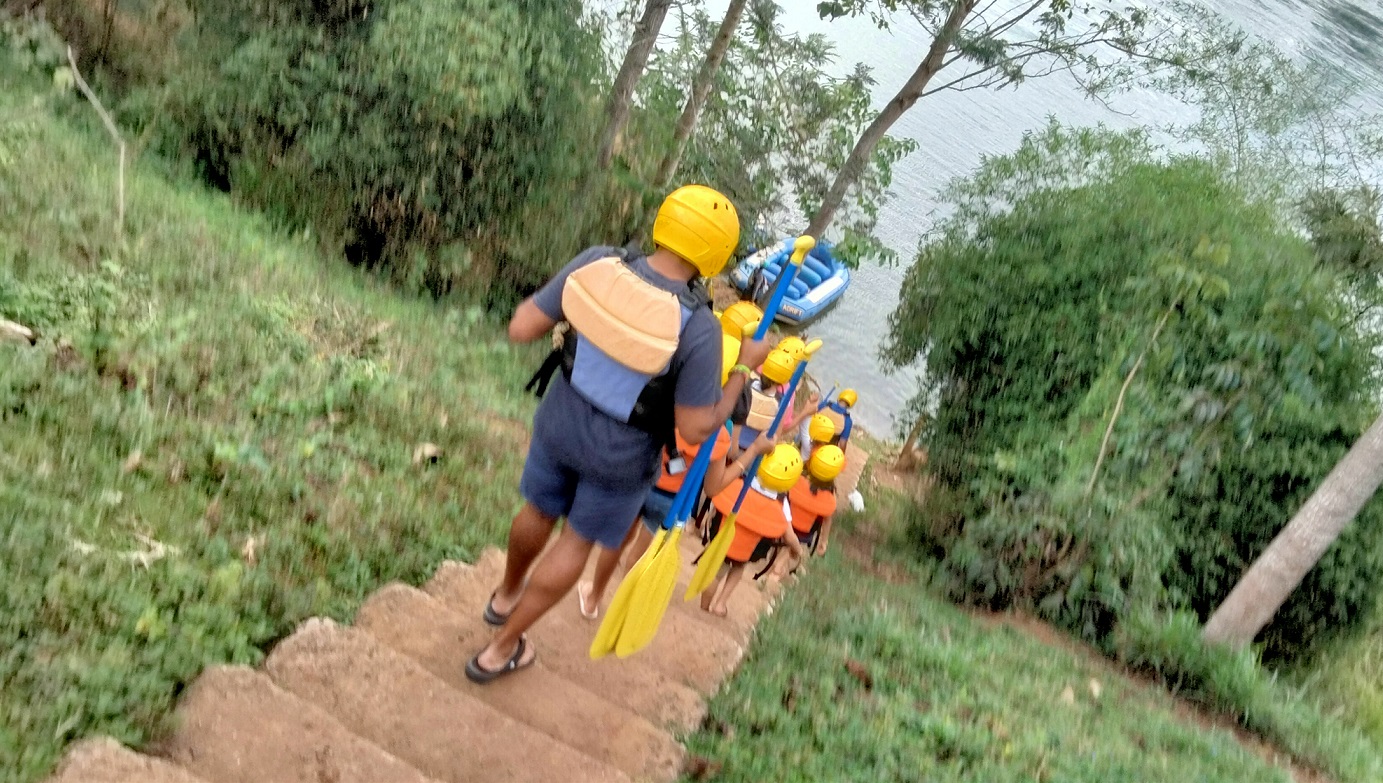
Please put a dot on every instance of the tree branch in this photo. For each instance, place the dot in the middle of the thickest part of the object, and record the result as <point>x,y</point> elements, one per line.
<point>114,134</point>
<point>1119,403</point>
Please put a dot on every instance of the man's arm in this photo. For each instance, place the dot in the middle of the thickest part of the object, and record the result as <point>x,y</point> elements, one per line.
<point>697,424</point>
<point>529,322</point>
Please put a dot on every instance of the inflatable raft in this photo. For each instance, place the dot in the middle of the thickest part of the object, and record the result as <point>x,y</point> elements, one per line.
<point>820,282</point>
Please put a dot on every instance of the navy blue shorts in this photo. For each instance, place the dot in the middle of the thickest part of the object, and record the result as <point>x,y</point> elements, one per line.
<point>598,512</point>
<point>656,508</point>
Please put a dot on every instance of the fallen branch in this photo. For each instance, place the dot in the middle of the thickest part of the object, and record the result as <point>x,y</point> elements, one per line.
<point>114,134</point>
<point>153,552</point>
<point>9,330</point>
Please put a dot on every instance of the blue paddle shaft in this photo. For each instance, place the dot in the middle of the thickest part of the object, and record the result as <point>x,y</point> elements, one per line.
<point>772,430</point>
<point>691,485</point>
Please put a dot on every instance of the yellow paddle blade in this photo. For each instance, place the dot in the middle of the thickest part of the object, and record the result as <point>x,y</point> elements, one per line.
<point>800,247</point>
<point>712,558</point>
<point>649,602</point>
<point>605,637</point>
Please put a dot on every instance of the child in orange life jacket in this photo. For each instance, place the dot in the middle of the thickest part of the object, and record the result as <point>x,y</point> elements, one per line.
<point>658,502</point>
<point>812,500</point>
<point>761,522</point>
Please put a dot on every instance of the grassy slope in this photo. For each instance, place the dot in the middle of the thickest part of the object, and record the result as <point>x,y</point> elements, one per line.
<point>957,697</point>
<point>229,398</point>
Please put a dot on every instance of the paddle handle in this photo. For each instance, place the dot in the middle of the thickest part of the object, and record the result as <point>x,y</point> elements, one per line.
<point>800,247</point>
<point>772,430</point>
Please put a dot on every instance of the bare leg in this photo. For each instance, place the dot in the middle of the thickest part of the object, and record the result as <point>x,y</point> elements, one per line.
<point>606,563</point>
<point>642,538</point>
<point>528,534</point>
<point>732,580</point>
<point>552,579</point>
<point>708,595</point>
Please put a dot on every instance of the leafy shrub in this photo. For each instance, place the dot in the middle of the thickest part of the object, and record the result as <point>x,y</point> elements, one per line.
<point>1138,376</point>
<point>423,126</point>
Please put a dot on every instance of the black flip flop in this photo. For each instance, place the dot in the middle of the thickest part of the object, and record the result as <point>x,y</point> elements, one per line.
<point>492,617</point>
<point>482,676</point>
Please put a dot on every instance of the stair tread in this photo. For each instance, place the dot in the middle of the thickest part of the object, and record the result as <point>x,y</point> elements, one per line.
<point>634,683</point>
<point>397,704</point>
<point>236,726</point>
<point>416,625</point>
<point>103,760</point>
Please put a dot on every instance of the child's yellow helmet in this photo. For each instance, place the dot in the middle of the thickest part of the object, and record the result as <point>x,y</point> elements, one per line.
<point>821,429</point>
<point>795,347</point>
<point>826,463</point>
<point>778,367</point>
<point>780,468</point>
<point>738,316</point>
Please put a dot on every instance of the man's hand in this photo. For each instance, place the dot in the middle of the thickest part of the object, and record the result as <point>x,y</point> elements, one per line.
<point>753,352</point>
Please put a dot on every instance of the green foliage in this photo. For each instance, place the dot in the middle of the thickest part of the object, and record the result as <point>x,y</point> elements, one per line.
<point>420,127</point>
<point>958,697</point>
<point>1138,377</point>
<point>1347,235</point>
<point>1168,648</point>
<point>776,127</point>
<point>212,440</point>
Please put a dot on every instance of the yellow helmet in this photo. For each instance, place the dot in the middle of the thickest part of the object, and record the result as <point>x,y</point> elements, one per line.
<point>738,316</point>
<point>848,398</point>
<point>826,463</point>
<point>821,429</point>
<point>794,346</point>
<point>700,225</point>
<point>778,366</point>
<point>730,352</point>
<point>780,468</point>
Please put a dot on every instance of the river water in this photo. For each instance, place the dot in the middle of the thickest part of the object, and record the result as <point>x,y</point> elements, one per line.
<point>955,130</point>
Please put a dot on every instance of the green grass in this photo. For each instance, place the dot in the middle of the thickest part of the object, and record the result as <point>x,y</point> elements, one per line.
<point>1349,678</point>
<point>214,438</point>
<point>956,697</point>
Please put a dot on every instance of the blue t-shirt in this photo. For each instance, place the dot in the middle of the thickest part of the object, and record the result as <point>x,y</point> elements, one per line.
<point>603,448</point>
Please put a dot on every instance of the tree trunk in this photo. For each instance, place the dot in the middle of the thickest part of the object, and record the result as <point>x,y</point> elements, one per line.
<point>906,457</point>
<point>1281,567</point>
<point>705,77</point>
<point>904,100</point>
<point>622,93</point>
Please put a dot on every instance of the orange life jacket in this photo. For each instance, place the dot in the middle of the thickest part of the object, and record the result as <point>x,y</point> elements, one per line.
<point>673,483</point>
<point>759,514</point>
<point>808,507</point>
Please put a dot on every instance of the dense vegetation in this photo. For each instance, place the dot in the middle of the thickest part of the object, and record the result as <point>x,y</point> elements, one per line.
<point>212,440</point>
<point>1139,374</point>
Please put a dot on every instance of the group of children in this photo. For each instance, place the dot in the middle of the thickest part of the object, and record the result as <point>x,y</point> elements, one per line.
<point>791,499</point>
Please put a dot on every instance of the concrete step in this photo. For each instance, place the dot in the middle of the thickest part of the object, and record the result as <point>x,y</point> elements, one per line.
<point>397,704</point>
<point>563,639</point>
<point>103,760</point>
<point>751,600</point>
<point>684,650</point>
<point>413,623</point>
<point>236,726</point>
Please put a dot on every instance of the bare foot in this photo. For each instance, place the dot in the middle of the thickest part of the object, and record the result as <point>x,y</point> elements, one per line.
<point>590,608</point>
<point>719,611</point>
